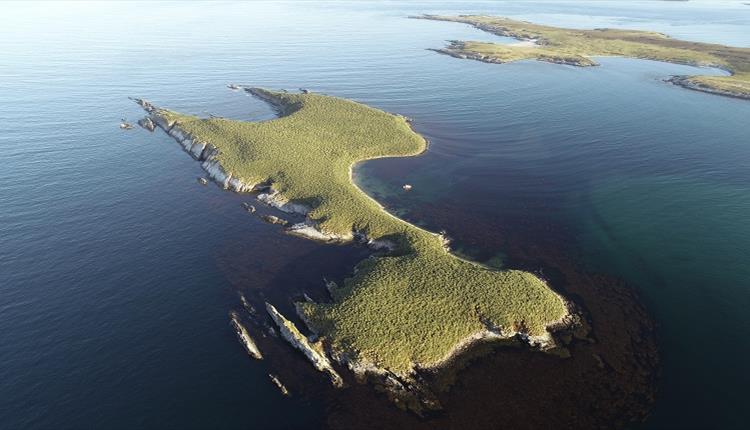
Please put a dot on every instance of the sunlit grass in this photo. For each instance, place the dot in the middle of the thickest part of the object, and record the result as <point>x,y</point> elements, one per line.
<point>413,306</point>
<point>577,46</point>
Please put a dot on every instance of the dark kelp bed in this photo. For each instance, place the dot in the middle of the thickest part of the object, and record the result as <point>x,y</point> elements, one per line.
<point>613,365</point>
<point>608,381</point>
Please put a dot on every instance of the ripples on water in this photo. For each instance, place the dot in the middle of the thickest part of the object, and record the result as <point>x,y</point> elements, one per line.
<point>114,285</point>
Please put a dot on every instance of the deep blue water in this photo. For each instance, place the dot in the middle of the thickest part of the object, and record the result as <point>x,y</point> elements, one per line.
<point>117,269</point>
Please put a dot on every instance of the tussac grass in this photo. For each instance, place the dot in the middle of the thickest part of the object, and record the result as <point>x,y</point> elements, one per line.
<point>411,307</point>
<point>576,46</point>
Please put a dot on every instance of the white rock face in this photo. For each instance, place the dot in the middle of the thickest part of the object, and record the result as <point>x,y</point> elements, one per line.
<point>196,150</point>
<point>162,122</point>
<point>207,155</point>
<point>179,134</point>
<point>289,332</point>
<point>274,199</point>
<point>237,185</point>
<point>147,123</point>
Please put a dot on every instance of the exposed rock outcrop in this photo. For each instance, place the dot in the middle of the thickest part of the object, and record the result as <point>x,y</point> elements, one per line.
<point>245,339</point>
<point>313,351</point>
<point>248,307</point>
<point>199,150</point>
<point>147,124</point>
<point>309,230</point>
<point>279,385</point>
<point>271,219</point>
<point>275,199</point>
<point>686,82</point>
<point>207,155</point>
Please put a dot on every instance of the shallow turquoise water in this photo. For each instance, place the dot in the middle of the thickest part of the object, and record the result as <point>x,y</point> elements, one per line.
<point>117,270</point>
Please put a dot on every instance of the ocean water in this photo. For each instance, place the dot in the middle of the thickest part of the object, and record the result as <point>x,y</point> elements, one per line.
<point>117,270</point>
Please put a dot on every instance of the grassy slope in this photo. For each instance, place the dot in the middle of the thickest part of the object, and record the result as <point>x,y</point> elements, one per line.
<point>575,46</point>
<point>413,306</point>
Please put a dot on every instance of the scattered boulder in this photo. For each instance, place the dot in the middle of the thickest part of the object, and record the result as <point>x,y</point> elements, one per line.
<point>248,207</point>
<point>202,181</point>
<point>407,187</point>
<point>244,337</point>
<point>148,107</point>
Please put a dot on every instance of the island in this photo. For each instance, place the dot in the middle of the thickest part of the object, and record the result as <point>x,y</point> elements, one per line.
<point>412,306</point>
<point>576,47</point>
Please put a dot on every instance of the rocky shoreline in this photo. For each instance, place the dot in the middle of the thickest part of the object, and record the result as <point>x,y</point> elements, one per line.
<point>685,82</point>
<point>576,47</point>
<point>244,336</point>
<point>206,154</point>
<point>406,391</point>
<point>456,49</point>
<point>312,351</point>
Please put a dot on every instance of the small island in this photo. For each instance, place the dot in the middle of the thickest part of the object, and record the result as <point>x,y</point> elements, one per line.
<point>576,47</point>
<point>412,305</point>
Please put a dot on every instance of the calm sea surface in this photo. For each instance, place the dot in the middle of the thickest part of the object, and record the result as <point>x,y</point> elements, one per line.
<point>117,269</point>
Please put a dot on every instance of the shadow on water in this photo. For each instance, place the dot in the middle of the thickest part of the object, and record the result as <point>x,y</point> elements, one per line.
<point>608,380</point>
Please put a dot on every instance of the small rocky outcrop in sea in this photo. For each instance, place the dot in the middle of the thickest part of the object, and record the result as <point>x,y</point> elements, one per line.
<point>277,382</point>
<point>274,199</point>
<point>248,307</point>
<point>271,219</point>
<point>147,123</point>
<point>244,336</point>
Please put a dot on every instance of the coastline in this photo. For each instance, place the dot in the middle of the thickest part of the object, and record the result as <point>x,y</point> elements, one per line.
<point>613,367</point>
<point>578,47</point>
<point>685,82</point>
<point>404,388</point>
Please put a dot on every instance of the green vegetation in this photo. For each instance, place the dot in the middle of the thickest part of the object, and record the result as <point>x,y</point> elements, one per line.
<point>569,46</point>
<point>411,307</point>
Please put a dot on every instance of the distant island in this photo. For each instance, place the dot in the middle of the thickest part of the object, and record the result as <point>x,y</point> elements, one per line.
<point>412,305</point>
<point>576,47</point>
